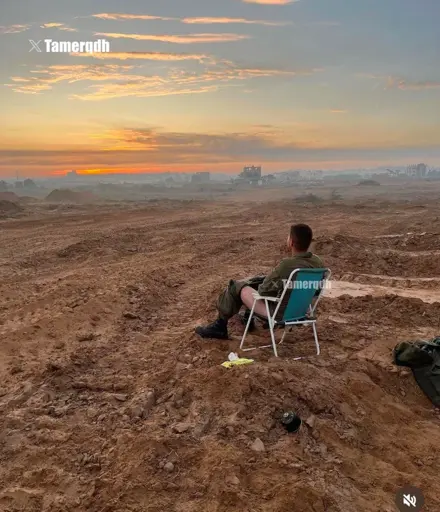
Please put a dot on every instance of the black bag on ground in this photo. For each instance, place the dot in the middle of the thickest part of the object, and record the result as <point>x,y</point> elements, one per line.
<point>423,357</point>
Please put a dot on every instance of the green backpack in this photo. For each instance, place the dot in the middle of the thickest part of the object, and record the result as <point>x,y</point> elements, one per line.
<point>423,357</point>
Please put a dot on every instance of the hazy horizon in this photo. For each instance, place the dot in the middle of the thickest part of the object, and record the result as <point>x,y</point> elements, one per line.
<point>201,85</point>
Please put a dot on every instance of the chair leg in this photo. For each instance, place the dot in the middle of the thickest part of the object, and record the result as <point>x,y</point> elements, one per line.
<point>315,334</point>
<point>248,324</point>
<point>284,334</point>
<point>271,328</point>
<point>272,331</point>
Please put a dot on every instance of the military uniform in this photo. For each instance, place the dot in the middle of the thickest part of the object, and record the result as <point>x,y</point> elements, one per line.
<point>229,302</point>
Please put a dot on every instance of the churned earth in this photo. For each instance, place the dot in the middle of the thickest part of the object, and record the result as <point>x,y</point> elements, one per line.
<point>109,402</point>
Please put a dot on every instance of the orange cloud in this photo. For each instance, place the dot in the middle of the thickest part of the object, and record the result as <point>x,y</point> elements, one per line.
<point>52,25</point>
<point>196,20</point>
<point>143,56</point>
<point>117,16</point>
<point>179,39</point>
<point>338,111</point>
<point>59,26</point>
<point>117,80</point>
<point>44,79</point>
<point>144,89</point>
<point>207,21</point>
<point>68,29</point>
<point>180,82</point>
<point>13,29</point>
<point>146,149</point>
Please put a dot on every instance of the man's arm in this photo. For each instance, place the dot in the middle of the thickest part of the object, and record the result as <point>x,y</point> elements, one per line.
<point>273,284</point>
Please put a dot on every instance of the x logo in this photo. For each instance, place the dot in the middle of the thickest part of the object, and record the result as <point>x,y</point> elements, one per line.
<point>35,46</point>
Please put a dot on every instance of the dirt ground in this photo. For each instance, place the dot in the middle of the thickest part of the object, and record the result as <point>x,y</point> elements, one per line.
<point>109,402</point>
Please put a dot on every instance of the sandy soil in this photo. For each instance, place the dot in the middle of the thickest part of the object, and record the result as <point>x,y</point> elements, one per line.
<point>109,402</point>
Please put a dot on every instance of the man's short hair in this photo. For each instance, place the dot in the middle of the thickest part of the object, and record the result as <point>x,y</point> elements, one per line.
<point>302,236</point>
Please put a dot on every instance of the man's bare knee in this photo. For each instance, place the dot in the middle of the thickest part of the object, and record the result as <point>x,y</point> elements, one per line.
<point>247,297</point>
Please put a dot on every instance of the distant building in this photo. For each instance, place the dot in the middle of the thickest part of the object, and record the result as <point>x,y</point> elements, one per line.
<point>417,171</point>
<point>28,183</point>
<point>251,174</point>
<point>201,177</point>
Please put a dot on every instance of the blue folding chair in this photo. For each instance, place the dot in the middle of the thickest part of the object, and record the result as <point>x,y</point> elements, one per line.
<point>295,306</point>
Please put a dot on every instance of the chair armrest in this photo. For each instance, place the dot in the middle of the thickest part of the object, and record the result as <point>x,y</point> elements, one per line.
<point>257,296</point>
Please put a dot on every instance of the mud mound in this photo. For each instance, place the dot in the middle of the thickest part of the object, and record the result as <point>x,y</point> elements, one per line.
<point>413,241</point>
<point>337,245</point>
<point>9,196</point>
<point>69,196</point>
<point>401,311</point>
<point>8,208</point>
<point>82,250</point>
<point>373,256</point>
<point>109,245</point>
<point>29,199</point>
<point>417,283</point>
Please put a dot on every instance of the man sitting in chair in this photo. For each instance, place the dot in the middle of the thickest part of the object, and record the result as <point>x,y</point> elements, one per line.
<point>239,293</point>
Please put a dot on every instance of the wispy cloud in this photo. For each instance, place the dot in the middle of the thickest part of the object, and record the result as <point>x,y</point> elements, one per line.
<point>123,80</point>
<point>43,79</point>
<point>13,29</point>
<point>209,20</point>
<point>395,82</point>
<point>339,111</point>
<point>179,39</point>
<point>181,82</point>
<point>400,83</point>
<point>143,88</point>
<point>52,25</point>
<point>157,56</point>
<point>120,16</point>
<point>244,21</point>
<point>59,26</point>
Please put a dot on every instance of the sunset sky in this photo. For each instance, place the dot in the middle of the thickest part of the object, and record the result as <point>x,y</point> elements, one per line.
<point>195,85</point>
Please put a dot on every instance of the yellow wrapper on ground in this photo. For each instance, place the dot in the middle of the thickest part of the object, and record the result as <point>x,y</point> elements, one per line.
<point>237,362</point>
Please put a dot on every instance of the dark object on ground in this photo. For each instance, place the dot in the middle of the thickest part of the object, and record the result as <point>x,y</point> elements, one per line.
<point>253,325</point>
<point>370,183</point>
<point>244,320</point>
<point>217,330</point>
<point>308,198</point>
<point>291,421</point>
<point>423,357</point>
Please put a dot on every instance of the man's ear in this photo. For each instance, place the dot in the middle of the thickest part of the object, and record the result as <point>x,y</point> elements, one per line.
<point>289,242</point>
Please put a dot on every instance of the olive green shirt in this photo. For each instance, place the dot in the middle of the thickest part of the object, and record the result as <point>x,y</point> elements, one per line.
<point>273,283</point>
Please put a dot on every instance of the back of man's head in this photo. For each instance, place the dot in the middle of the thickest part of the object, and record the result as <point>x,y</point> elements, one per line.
<point>301,236</point>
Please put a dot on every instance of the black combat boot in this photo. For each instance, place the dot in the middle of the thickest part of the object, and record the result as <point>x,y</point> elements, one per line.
<point>217,330</point>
